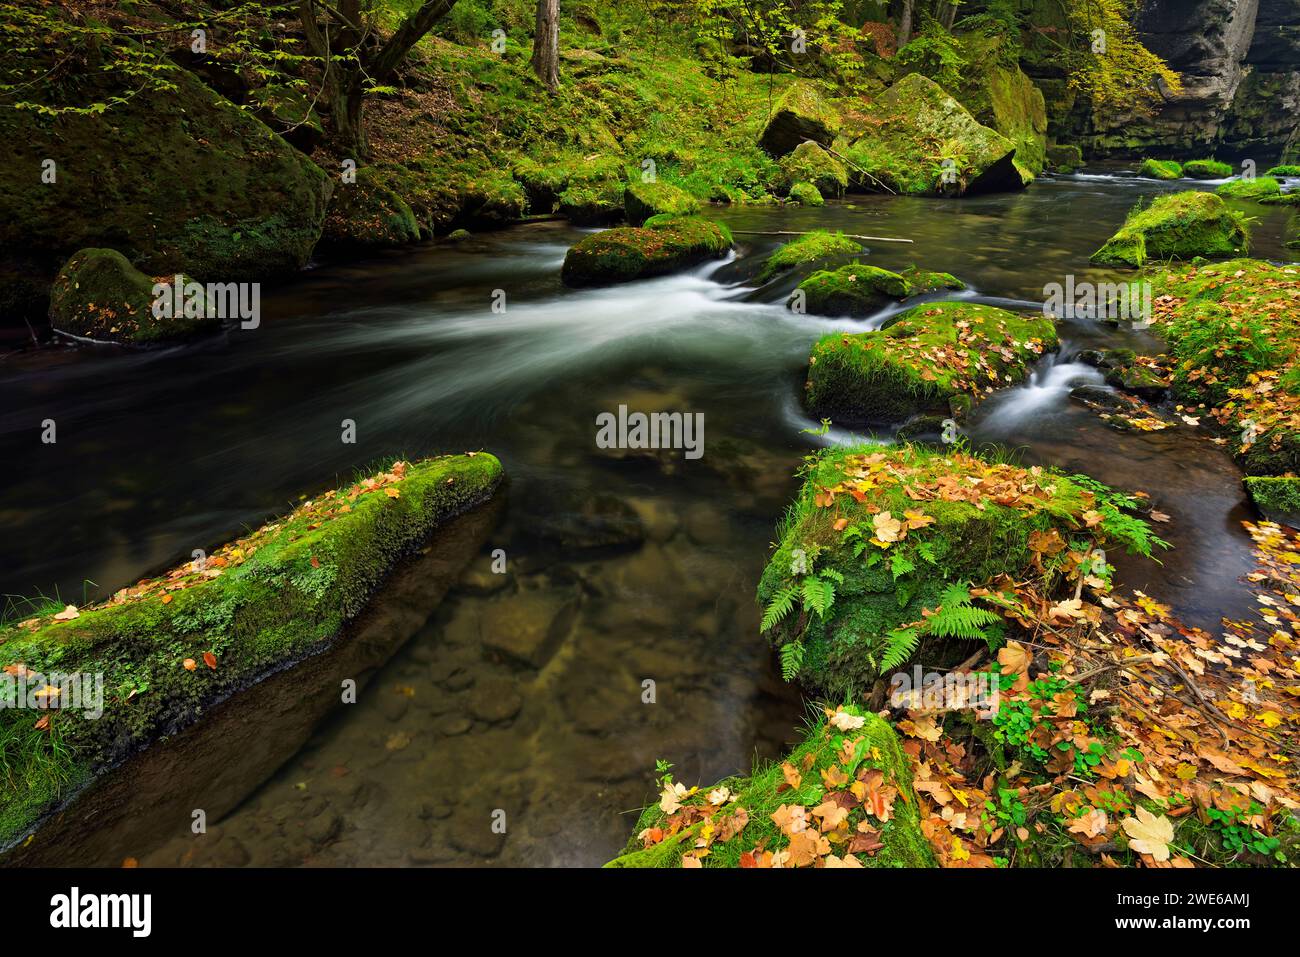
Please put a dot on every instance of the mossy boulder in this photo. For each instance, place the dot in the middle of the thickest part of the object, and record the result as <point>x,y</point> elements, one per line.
<point>1256,188</point>
<point>1161,169</point>
<point>860,290</point>
<point>544,182</point>
<point>172,646</point>
<point>740,830</point>
<point>811,247</point>
<point>1207,169</point>
<point>178,181</point>
<point>1004,98</point>
<point>1064,158</point>
<point>1276,496</point>
<point>1176,226</point>
<point>1284,170</point>
<point>801,113</point>
<point>906,123</point>
<point>639,252</point>
<point>369,214</point>
<point>492,198</point>
<point>809,163</point>
<point>933,358</point>
<point>99,295</point>
<point>643,200</point>
<point>902,531</point>
<point>806,194</point>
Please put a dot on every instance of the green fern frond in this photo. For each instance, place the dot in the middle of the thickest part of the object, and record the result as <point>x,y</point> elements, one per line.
<point>779,606</point>
<point>902,643</point>
<point>791,659</point>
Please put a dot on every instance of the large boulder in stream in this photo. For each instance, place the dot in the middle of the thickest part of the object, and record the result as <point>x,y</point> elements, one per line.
<point>369,214</point>
<point>801,113</point>
<point>813,246</point>
<point>178,181</point>
<point>1176,226</point>
<point>758,821</point>
<point>170,648</point>
<point>860,290</point>
<point>899,532</point>
<point>639,252</point>
<point>936,358</point>
<point>901,129</point>
<point>98,295</point>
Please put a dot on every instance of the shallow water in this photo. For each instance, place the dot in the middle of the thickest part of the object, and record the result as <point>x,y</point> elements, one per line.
<point>524,692</point>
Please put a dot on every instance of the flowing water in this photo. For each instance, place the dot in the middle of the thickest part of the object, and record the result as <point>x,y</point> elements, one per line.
<point>525,692</point>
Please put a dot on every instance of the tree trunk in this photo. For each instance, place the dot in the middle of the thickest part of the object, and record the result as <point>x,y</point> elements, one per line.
<point>546,44</point>
<point>949,14</point>
<point>905,23</point>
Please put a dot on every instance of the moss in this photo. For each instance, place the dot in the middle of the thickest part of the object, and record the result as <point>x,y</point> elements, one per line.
<point>1064,157</point>
<point>809,163</point>
<point>369,214</point>
<point>926,359</point>
<point>631,252</point>
<point>1001,96</point>
<point>1281,199</point>
<point>1284,170</point>
<point>644,200</point>
<point>261,603</point>
<point>912,128</point>
<point>99,295</point>
<point>1207,169</point>
<point>806,194</point>
<point>1256,188</point>
<point>810,247</point>
<point>852,290</point>
<point>761,793</point>
<point>1276,496</point>
<point>975,519</point>
<point>801,113</point>
<point>1176,226</point>
<point>1161,169</point>
<point>925,280</point>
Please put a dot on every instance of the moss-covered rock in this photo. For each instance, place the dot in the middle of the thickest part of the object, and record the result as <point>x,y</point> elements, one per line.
<point>809,163</point>
<point>1207,169</point>
<point>900,532</point>
<point>801,113</point>
<point>904,126</point>
<point>178,181</point>
<point>639,252</point>
<point>1004,98</point>
<point>1276,496</point>
<point>643,200</point>
<point>1284,170</point>
<point>740,830</point>
<point>1161,169</point>
<point>810,247</point>
<point>1064,158</point>
<point>1256,188</point>
<point>587,190</point>
<point>936,357</point>
<point>170,647</point>
<point>853,290</point>
<point>99,295</point>
<point>1177,226</point>
<point>369,214</point>
<point>806,194</point>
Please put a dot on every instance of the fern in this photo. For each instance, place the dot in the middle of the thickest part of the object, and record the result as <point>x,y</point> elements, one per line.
<point>902,643</point>
<point>956,617</point>
<point>779,606</point>
<point>791,659</point>
<point>818,594</point>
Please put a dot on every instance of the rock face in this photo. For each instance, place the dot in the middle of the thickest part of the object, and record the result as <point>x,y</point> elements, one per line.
<point>177,181</point>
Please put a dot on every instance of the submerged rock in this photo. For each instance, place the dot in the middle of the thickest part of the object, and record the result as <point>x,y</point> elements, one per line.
<point>1176,226</point>
<point>99,295</point>
<point>938,358</point>
<point>801,113</point>
<point>632,252</point>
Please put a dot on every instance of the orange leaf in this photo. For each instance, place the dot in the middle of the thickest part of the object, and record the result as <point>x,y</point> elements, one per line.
<point>210,660</point>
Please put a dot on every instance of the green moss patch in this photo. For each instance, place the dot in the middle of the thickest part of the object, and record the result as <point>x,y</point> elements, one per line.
<point>801,113</point>
<point>1161,169</point>
<point>631,252</point>
<point>935,357</point>
<point>809,163</point>
<point>369,213</point>
<point>1207,169</point>
<point>1284,171</point>
<point>1177,226</point>
<point>643,200</point>
<point>168,648</point>
<point>880,539</point>
<point>1276,496</point>
<point>811,247</point>
<point>842,798</point>
<point>806,194</point>
<point>1256,188</point>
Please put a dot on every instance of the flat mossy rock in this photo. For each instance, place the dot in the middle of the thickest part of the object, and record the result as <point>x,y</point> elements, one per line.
<point>806,194</point>
<point>257,605</point>
<point>810,247</point>
<point>639,252</point>
<point>643,200</point>
<point>1161,169</point>
<point>809,163</point>
<point>1064,158</point>
<point>1256,188</point>
<point>906,122</point>
<point>936,357</point>
<point>860,290</point>
<point>369,214</point>
<point>1176,226</point>
<point>1276,496</point>
<point>740,831</point>
<point>1207,169</point>
<point>801,113</point>
<point>99,295</point>
<point>902,530</point>
<point>178,181</point>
